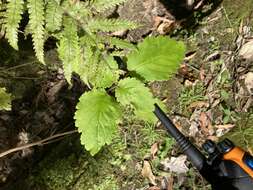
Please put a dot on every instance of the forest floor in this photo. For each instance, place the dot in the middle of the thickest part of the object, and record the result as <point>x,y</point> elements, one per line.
<point>209,98</point>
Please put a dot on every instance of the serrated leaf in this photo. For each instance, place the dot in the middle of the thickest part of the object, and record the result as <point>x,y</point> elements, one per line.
<point>5,99</point>
<point>12,19</point>
<point>105,74</point>
<point>157,58</point>
<point>132,92</point>
<point>36,22</point>
<point>69,49</point>
<point>96,119</point>
<point>109,25</point>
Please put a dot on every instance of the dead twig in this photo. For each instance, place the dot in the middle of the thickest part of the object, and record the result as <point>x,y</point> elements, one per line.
<point>38,143</point>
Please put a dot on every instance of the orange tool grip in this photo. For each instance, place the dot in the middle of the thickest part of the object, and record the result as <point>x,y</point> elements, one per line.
<point>236,155</point>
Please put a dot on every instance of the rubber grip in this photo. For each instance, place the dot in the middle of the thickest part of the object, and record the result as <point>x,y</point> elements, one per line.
<point>236,155</point>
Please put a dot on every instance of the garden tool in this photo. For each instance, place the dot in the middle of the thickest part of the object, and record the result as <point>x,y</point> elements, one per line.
<point>224,165</point>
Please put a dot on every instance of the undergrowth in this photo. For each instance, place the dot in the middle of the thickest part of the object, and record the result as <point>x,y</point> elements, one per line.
<point>86,46</point>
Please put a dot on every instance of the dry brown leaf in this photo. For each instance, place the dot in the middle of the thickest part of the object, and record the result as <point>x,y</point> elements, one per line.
<point>166,26</point>
<point>213,56</point>
<point>176,164</point>
<point>119,33</point>
<point>154,149</point>
<point>147,172</point>
<point>188,83</point>
<point>246,52</point>
<point>202,74</point>
<point>204,122</point>
<point>226,126</point>
<point>154,188</point>
<point>199,104</point>
<point>199,5</point>
<point>190,55</point>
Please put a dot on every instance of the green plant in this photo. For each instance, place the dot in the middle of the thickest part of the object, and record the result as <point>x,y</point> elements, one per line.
<point>191,94</point>
<point>85,46</point>
<point>5,99</point>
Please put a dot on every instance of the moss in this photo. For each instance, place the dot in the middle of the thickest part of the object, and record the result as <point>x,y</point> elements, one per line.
<point>69,166</point>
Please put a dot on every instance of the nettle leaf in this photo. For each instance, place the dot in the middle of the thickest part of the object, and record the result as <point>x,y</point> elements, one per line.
<point>13,17</point>
<point>96,118</point>
<point>157,58</point>
<point>5,100</point>
<point>131,91</point>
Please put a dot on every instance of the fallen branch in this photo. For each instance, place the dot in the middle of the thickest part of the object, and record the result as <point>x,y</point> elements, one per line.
<point>38,143</point>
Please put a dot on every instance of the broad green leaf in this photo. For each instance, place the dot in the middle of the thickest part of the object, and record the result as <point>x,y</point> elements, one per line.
<point>5,99</point>
<point>132,92</point>
<point>96,118</point>
<point>157,58</point>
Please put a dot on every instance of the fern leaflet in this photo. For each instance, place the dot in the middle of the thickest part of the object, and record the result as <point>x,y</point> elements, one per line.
<point>69,49</point>
<point>36,22</point>
<point>119,43</point>
<point>53,15</point>
<point>109,25</point>
<point>102,5</point>
<point>13,18</point>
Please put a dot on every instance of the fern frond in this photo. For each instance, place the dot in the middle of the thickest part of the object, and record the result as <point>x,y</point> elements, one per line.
<point>12,19</point>
<point>36,21</point>
<point>109,25</point>
<point>102,5</point>
<point>119,43</point>
<point>54,14</point>
<point>2,17</point>
<point>89,40</point>
<point>69,49</point>
<point>80,10</point>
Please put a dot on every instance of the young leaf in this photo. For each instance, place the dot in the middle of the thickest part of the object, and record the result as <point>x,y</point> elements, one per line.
<point>105,75</point>
<point>13,18</point>
<point>96,119</point>
<point>132,92</point>
<point>69,49</point>
<point>53,15</point>
<point>36,22</point>
<point>98,70</point>
<point>5,99</point>
<point>157,58</point>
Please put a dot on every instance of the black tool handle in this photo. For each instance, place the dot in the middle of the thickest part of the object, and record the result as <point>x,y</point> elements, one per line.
<point>192,153</point>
